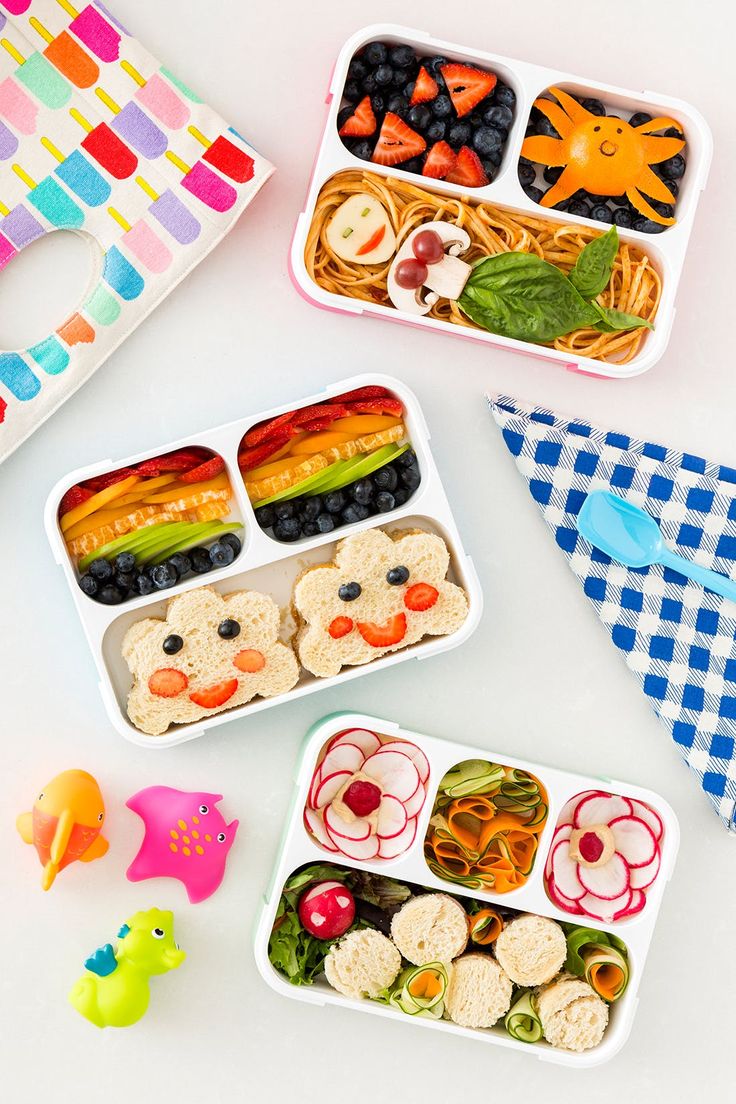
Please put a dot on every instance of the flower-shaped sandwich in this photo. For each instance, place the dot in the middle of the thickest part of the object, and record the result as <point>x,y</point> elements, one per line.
<point>604,855</point>
<point>210,653</point>
<point>366,795</point>
<point>382,592</point>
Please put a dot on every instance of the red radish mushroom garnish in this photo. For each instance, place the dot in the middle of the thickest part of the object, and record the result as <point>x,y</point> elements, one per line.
<point>327,910</point>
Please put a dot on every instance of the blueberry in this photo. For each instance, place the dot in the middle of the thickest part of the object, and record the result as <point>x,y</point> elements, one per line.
<point>384,75</point>
<point>639,117</point>
<point>552,173</point>
<point>531,128</point>
<point>143,584</point>
<point>200,558</point>
<point>362,491</point>
<point>413,165</point>
<point>357,69</point>
<point>458,134</point>
<point>475,120</point>
<point>434,64</point>
<point>343,115</point>
<point>648,226</point>
<point>407,459</point>
<point>401,56</point>
<point>124,581</point>
<point>398,104</point>
<point>334,501</point>
<point>164,575</point>
<point>313,507</point>
<point>579,207</point>
<point>354,512</point>
<point>401,78</point>
<point>221,554</point>
<point>502,94</point>
<point>385,479</point>
<point>375,53</point>
<point>172,644</point>
<point>348,592</point>
<point>487,140</point>
<point>534,194</point>
<point>601,212</point>
<point>673,168</point>
<point>325,523</point>
<point>384,501</point>
<point>674,132</point>
<point>544,126</point>
<point>125,561</point>
<point>234,542</point>
<point>228,629</point>
<point>378,101</point>
<point>265,516</point>
<point>491,163</point>
<point>182,563</point>
<point>101,570</point>
<point>527,172</point>
<point>364,151</point>
<point>674,187</point>
<point>562,205</point>
<point>595,107</point>
<point>369,85</point>
<point>497,115</point>
<point>109,595</point>
<point>409,90</point>
<point>623,217</point>
<point>352,92</point>
<point>411,479</point>
<point>436,131</point>
<point>287,529</point>
<point>441,106</point>
<point>666,210</point>
<point>397,576</point>
<point>88,585</point>
<point>284,510</point>
<point>400,496</point>
<point>419,117</point>
<point>310,529</point>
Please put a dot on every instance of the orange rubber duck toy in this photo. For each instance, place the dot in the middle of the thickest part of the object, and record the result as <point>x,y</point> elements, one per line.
<point>65,823</point>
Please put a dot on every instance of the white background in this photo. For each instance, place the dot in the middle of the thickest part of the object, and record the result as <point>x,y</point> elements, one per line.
<point>539,679</point>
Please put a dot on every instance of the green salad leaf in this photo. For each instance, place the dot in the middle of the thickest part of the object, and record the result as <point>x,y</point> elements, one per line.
<point>613,320</point>
<point>593,267</point>
<point>319,872</point>
<point>376,889</point>
<point>519,295</point>
<point>293,951</point>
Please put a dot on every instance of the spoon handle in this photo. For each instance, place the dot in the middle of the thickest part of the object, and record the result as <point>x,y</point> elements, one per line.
<point>711,580</point>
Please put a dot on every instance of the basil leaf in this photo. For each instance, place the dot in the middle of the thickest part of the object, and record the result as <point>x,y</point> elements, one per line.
<point>519,295</point>
<point>611,321</point>
<point>593,267</point>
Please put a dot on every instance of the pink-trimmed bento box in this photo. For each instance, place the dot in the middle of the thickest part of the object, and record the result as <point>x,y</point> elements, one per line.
<point>667,250</point>
<point>264,563</point>
<point>298,849</point>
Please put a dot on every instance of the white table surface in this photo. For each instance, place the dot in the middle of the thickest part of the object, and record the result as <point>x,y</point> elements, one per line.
<point>539,679</point>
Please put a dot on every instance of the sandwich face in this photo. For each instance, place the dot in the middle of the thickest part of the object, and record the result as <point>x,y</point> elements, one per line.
<point>381,593</point>
<point>212,652</point>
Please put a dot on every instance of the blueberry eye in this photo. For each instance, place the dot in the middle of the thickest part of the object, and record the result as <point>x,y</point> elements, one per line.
<point>348,592</point>
<point>397,576</point>
<point>204,809</point>
<point>221,837</point>
<point>228,629</point>
<point>173,644</point>
<point>158,933</point>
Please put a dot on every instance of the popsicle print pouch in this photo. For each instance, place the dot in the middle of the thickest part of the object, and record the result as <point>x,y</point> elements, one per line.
<point>98,137</point>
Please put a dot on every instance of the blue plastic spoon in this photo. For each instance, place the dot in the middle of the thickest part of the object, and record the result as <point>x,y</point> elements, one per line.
<point>630,536</point>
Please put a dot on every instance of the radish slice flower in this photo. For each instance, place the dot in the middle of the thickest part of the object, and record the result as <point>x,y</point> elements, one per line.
<point>604,855</point>
<point>366,795</point>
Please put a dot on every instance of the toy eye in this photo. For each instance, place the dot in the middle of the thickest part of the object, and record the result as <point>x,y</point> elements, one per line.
<point>397,576</point>
<point>40,796</point>
<point>204,809</point>
<point>348,592</point>
<point>221,837</point>
<point>228,629</point>
<point>173,644</point>
<point>100,816</point>
<point>596,128</point>
<point>158,933</point>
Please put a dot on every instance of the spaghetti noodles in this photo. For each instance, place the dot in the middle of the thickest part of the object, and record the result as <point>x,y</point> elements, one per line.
<point>634,286</point>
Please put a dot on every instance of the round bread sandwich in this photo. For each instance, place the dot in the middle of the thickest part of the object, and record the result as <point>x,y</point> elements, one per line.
<point>531,949</point>
<point>430,928</point>
<point>479,992</point>
<point>573,1016</point>
<point>362,963</point>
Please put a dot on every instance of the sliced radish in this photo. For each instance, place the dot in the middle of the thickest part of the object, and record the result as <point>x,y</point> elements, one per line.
<point>316,779</point>
<point>599,808</point>
<point>392,818</point>
<point>339,829</point>
<point>562,832</point>
<point>347,757</point>
<point>565,903</point>
<point>648,815</point>
<point>605,910</point>
<point>362,850</point>
<point>415,804</point>
<point>643,876</point>
<point>565,872</point>
<point>394,772</point>
<point>417,756</point>
<point>313,823</point>
<point>397,845</point>
<point>367,741</point>
<point>638,900</point>
<point>329,787</point>
<point>607,882</point>
<point>634,840</point>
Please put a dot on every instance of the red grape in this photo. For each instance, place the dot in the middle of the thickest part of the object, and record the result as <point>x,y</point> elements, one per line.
<point>428,247</point>
<point>411,274</point>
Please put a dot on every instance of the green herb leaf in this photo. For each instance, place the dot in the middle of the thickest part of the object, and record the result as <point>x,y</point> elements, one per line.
<point>612,321</point>
<point>593,267</point>
<point>518,295</point>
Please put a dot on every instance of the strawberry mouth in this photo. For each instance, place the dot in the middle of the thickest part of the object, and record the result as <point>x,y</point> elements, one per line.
<point>212,697</point>
<point>385,635</point>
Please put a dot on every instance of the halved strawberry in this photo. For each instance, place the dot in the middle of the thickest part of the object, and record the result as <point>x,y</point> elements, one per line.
<point>167,682</point>
<point>390,632</point>
<point>340,626</point>
<point>361,123</point>
<point>318,425</point>
<point>253,457</point>
<point>468,170</point>
<point>425,88</point>
<point>467,86</point>
<point>440,161</point>
<point>393,407</point>
<point>420,597</point>
<point>74,497</point>
<point>214,696</point>
<point>372,391</point>
<point>397,142</point>
<point>180,461</point>
<point>208,470</point>
<point>100,482</point>
<point>318,411</point>
<point>264,430</point>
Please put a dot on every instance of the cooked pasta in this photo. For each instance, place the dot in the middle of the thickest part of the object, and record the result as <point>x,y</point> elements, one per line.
<point>634,286</point>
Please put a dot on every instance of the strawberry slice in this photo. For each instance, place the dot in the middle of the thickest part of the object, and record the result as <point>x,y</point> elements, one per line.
<point>208,470</point>
<point>392,407</point>
<point>420,597</point>
<point>318,411</point>
<point>397,142</point>
<point>372,391</point>
<point>468,170</point>
<point>100,482</point>
<point>318,426</point>
<point>340,626</point>
<point>390,632</point>
<point>212,697</point>
<point>467,86</point>
<point>167,682</point>
<point>74,497</point>
<point>264,430</point>
<point>441,160</point>
<point>361,123</point>
<point>254,457</point>
<point>179,461</point>
<point>425,88</point>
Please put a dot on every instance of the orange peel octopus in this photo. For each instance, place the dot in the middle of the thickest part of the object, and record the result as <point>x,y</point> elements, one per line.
<point>603,155</point>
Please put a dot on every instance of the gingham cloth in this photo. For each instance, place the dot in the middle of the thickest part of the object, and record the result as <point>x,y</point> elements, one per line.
<point>677,638</point>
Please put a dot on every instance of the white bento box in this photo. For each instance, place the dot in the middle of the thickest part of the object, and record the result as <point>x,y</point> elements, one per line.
<point>264,564</point>
<point>299,849</point>
<point>666,250</point>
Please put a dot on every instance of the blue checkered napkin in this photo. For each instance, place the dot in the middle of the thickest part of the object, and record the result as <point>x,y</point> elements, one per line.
<point>677,638</point>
